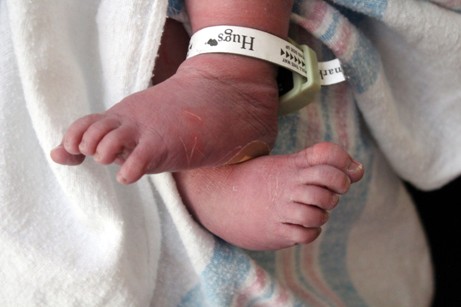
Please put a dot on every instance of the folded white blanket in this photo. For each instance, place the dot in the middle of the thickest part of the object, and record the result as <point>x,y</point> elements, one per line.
<point>72,236</point>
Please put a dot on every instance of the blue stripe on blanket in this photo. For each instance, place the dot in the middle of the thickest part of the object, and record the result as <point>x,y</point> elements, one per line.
<point>227,270</point>
<point>375,8</point>
<point>331,31</point>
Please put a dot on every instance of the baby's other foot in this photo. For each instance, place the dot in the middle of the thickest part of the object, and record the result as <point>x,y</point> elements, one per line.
<point>270,202</point>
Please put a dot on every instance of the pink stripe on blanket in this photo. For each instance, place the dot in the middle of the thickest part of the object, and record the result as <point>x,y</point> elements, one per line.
<point>307,264</point>
<point>259,288</point>
<point>313,16</point>
<point>319,19</point>
<point>342,43</point>
<point>255,288</point>
<point>297,267</point>
<point>290,276</point>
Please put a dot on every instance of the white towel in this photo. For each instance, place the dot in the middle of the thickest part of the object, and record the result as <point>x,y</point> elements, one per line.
<point>72,236</point>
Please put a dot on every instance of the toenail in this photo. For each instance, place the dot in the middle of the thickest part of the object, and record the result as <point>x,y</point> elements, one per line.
<point>121,179</point>
<point>347,182</point>
<point>82,146</point>
<point>66,144</point>
<point>335,199</point>
<point>354,167</point>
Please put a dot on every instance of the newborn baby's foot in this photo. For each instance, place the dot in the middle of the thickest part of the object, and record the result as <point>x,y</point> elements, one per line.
<point>208,114</point>
<point>270,202</point>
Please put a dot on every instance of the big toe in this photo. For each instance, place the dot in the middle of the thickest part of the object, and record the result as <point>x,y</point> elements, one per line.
<point>355,171</point>
<point>61,156</point>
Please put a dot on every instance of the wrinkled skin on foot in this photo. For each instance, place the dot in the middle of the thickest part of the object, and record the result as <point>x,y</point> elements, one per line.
<point>198,117</point>
<point>270,202</point>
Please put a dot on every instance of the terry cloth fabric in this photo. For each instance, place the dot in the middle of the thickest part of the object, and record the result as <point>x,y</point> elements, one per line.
<point>72,236</point>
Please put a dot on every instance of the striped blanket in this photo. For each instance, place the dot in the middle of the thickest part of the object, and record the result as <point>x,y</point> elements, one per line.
<point>71,236</point>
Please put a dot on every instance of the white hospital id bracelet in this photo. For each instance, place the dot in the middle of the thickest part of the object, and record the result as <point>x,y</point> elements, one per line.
<point>299,79</point>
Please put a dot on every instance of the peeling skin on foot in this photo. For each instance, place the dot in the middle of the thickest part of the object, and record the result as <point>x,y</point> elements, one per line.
<point>249,151</point>
<point>193,115</point>
<point>189,153</point>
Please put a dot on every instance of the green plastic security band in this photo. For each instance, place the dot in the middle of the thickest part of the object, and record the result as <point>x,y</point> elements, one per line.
<point>303,88</point>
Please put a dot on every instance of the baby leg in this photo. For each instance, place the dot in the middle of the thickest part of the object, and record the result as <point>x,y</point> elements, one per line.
<point>270,202</point>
